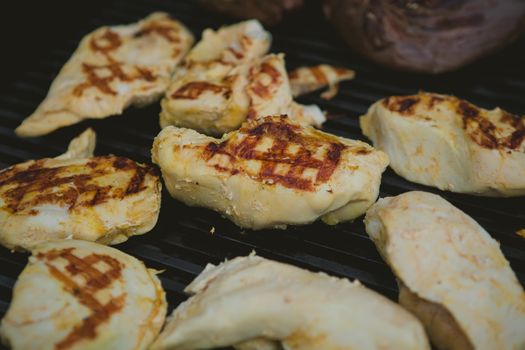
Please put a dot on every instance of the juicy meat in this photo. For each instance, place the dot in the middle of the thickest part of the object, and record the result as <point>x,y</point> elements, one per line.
<point>271,172</point>
<point>226,79</point>
<point>112,68</point>
<point>426,36</point>
<point>262,299</point>
<point>449,143</point>
<point>83,295</point>
<point>453,275</point>
<point>104,198</point>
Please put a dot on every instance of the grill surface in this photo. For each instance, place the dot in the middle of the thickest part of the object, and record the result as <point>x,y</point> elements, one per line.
<point>181,243</point>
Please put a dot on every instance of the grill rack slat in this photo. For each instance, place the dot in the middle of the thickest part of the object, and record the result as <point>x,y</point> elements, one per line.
<point>182,243</point>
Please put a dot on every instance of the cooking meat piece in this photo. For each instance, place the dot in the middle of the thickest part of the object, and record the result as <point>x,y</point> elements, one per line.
<point>452,274</point>
<point>267,11</point>
<point>449,143</point>
<point>307,79</point>
<point>226,80</point>
<point>271,172</point>
<point>104,198</point>
<point>302,310</point>
<point>426,36</point>
<point>112,68</point>
<point>82,295</point>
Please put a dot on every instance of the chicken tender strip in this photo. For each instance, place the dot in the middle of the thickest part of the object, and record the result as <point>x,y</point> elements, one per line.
<point>304,80</point>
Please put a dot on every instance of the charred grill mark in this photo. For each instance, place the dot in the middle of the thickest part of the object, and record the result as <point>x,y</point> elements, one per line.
<point>282,134</point>
<point>260,85</point>
<point>24,189</point>
<point>145,74</point>
<point>107,42</point>
<point>95,280</point>
<point>403,105</point>
<point>168,32</point>
<point>482,131</point>
<point>102,82</point>
<point>246,42</point>
<point>434,100</point>
<point>406,105</point>
<point>237,54</point>
<point>362,151</point>
<point>319,75</point>
<point>467,110</point>
<point>343,72</point>
<point>194,89</point>
<point>136,183</point>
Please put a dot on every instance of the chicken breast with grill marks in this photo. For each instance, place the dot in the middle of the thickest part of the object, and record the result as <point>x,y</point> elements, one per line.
<point>452,274</point>
<point>271,172</point>
<point>104,199</point>
<point>284,305</point>
<point>112,68</point>
<point>76,295</point>
<point>225,80</point>
<point>449,143</point>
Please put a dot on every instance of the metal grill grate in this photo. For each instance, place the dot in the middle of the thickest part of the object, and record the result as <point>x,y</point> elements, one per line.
<point>181,243</point>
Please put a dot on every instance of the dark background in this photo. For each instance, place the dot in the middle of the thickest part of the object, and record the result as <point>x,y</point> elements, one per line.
<point>28,29</point>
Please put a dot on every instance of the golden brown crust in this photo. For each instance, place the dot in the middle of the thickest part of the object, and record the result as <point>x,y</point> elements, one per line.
<point>24,186</point>
<point>505,131</point>
<point>282,134</point>
<point>94,281</point>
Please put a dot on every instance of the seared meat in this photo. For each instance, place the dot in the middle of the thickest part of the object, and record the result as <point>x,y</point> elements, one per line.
<point>426,36</point>
<point>449,143</point>
<point>226,80</point>
<point>259,299</point>
<point>112,68</point>
<point>104,198</point>
<point>271,172</point>
<point>452,274</point>
<point>83,295</point>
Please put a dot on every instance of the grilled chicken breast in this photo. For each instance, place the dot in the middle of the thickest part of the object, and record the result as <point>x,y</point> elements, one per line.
<point>225,80</point>
<point>104,198</point>
<point>82,295</point>
<point>452,274</point>
<point>271,172</point>
<point>304,80</point>
<point>112,68</point>
<point>260,298</point>
<point>449,143</point>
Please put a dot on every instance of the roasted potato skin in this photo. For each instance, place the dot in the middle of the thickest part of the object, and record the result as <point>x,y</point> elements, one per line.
<point>428,36</point>
<point>267,11</point>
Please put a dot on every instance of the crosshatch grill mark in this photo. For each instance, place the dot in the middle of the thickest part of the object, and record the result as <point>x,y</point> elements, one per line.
<point>282,135</point>
<point>94,281</point>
